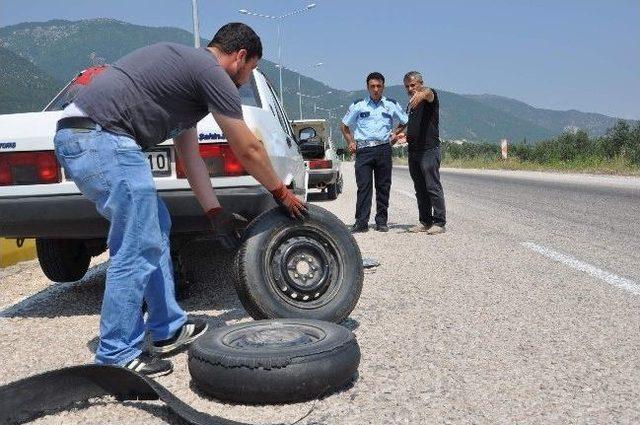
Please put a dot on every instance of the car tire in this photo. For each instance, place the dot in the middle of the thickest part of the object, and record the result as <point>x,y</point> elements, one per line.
<point>275,252</point>
<point>274,361</point>
<point>63,260</point>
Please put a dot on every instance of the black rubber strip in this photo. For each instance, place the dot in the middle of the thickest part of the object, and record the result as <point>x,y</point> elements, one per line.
<point>30,398</point>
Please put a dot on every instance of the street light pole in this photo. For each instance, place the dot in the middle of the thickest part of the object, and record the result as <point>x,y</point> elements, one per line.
<point>299,88</point>
<point>278,20</point>
<point>315,100</point>
<point>280,62</point>
<point>196,26</point>
<point>299,96</point>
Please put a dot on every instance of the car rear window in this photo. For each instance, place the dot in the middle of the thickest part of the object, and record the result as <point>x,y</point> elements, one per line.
<point>64,98</point>
<point>249,94</point>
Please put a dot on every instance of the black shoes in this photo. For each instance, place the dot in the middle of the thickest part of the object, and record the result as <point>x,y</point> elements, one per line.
<point>192,329</point>
<point>359,228</point>
<point>382,228</point>
<point>150,366</point>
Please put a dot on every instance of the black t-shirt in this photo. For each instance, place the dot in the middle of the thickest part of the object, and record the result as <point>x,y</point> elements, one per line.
<point>423,131</point>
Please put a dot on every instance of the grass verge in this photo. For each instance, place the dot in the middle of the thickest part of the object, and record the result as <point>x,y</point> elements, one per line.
<point>591,166</point>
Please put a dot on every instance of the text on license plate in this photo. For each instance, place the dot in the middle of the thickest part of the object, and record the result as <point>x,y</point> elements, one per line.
<point>159,161</point>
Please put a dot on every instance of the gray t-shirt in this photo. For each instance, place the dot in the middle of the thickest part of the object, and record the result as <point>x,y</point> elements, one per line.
<point>156,92</point>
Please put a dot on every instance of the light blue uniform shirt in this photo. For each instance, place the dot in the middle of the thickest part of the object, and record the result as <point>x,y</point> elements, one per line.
<point>371,122</point>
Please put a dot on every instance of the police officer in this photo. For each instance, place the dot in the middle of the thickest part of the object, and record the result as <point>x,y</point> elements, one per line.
<point>368,129</point>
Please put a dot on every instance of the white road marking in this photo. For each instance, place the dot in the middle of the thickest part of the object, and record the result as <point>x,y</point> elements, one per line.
<point>402,192</point>
<point>574,263</point>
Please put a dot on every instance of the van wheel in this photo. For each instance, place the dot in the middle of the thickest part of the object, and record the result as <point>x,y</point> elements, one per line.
<point>332,191</point>
<point>300,269</point>
<point>63,260</point>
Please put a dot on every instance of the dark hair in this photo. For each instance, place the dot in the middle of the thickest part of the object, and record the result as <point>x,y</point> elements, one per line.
<point>235,36</point>
<point>375,76</point>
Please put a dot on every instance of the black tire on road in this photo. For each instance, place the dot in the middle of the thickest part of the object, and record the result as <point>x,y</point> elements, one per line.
<point>274,361</point>
<point>63,260</point>
<point>300,269</point>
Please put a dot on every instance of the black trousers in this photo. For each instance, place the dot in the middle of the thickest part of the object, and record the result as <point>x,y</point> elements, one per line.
<point>424,168</point>
<point>373,163</point>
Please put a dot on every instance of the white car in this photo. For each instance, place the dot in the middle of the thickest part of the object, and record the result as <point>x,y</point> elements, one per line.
<point>38,201</point>
<point>284,267</point>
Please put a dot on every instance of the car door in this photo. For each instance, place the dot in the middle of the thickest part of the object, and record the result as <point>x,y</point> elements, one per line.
<point>291,163</point>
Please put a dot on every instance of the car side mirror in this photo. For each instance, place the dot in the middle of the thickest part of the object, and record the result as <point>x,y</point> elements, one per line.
<point>307,133</point>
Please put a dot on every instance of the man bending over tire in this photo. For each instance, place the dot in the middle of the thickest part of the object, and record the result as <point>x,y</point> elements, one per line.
<point>148,96</point>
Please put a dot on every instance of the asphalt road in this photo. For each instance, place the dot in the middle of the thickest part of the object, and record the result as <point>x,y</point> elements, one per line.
<point>526,311</point>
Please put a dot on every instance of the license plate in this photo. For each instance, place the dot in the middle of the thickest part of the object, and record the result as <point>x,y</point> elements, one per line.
<point>159,161</point>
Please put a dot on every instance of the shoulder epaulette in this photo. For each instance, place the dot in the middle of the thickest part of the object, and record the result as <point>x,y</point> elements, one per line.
<point>357,101</point>
<point>392,100</point>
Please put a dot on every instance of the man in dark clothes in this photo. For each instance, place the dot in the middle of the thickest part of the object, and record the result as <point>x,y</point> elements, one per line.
<point>153,94</point>
<point>423,137</point>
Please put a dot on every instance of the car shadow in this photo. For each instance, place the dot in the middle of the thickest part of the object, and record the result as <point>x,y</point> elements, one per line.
<point>210,287</point>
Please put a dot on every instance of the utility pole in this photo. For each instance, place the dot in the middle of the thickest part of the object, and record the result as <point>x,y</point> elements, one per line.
<point>196,26</point>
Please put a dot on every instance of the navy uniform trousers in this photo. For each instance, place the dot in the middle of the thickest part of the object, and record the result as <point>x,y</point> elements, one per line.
<point>373,164</point>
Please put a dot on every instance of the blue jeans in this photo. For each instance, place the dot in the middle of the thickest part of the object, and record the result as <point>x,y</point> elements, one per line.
<point>112,171</point>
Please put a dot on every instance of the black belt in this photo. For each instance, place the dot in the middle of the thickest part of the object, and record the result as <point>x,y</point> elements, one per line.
<point>76,122</point>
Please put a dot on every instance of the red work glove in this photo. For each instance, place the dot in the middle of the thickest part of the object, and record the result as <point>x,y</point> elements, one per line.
<point>227,227</point>
<point>286,199</point>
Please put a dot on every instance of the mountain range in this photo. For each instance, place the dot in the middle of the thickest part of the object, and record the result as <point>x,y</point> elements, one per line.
<point>38,58</point>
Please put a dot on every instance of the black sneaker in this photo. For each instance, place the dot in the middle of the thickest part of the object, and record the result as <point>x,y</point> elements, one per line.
<point>150,366</point>
<point>382,228</point>
<point>359,228</point>
<point>192,329</point>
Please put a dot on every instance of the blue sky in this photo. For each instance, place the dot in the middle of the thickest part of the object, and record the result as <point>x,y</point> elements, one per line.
<point>563,54</point>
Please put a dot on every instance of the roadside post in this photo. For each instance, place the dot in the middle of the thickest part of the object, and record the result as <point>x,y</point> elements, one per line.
<point>504,147</point>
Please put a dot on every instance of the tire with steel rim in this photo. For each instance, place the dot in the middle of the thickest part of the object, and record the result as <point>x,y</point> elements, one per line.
<point>301,269</point>
<point>274,361</point>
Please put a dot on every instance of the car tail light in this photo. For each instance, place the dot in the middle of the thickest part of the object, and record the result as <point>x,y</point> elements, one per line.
<point>219,159</point>
<point>29,168</point>
<point>320,163</point>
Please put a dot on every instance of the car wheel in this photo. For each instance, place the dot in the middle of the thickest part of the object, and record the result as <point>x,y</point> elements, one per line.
<point>63,260</point>
<point>340,184</point>
<point>274,361</point>
<point>303,269</point>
